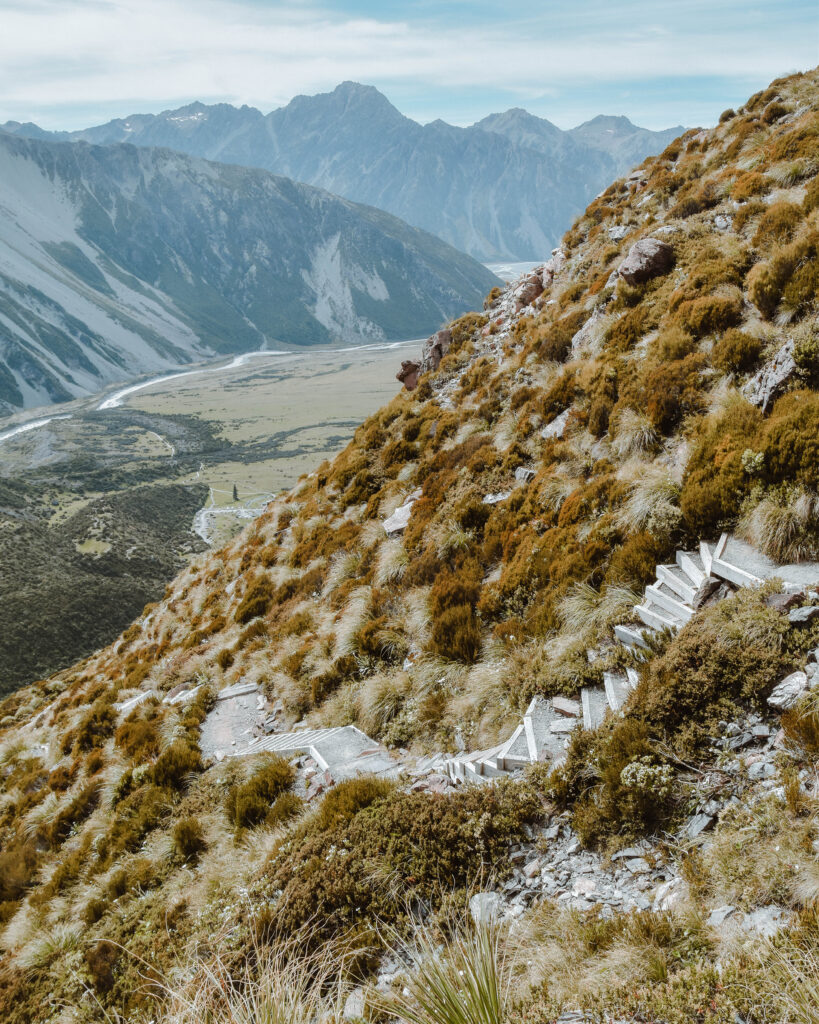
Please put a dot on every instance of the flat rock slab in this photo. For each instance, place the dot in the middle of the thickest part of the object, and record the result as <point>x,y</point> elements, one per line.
<point>229,726</point>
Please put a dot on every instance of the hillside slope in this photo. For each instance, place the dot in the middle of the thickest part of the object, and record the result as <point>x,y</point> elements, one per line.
<point>493,189</point>
<point>115,261</point>
<point>655,383</point>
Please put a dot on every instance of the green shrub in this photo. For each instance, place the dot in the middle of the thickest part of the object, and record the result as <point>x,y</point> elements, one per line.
<point>732,652</point>
<point>750,184</point>
<point>777,225</point>
<point>736,352</point>
<point>135,816</point>
<point>188,838</point>
<point>77,811</point>
<point>249,803</point>
<point>338,872</point>
<point>674,391</point>
<point>456,634</point>
<point>138,738</point>
<point>256,601</point>
<point>596,781</point>
<point>96,726</point>
<point>175,763</point>
<point>791,276</point>
<point>94,910</point>
<point>716,483</point>
<point>709,314</point>
<point>346,799</point>
<point>791,441</point>
<point>811,200</point>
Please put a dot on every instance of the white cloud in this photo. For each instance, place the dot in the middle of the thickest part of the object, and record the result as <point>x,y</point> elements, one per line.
<point>59,57</point>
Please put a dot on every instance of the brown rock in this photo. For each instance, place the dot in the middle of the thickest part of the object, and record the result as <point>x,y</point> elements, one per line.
<point>435,348</point>
<point>783,602</point>
<point>408,374</point>
<point>646,259</point>
<point>528,291</point>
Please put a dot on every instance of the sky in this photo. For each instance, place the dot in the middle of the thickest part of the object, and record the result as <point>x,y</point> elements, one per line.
<point>68,64</point>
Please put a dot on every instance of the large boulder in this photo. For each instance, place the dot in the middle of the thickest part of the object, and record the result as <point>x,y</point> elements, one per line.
<point>772,378</point>
<point>527,291</point>
<point>552,267</point>
<point>408,374</point>
<point>646,259</point>
<point>435,348</point>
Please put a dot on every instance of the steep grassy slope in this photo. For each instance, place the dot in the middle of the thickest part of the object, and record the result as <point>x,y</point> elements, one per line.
<point>449,629</point>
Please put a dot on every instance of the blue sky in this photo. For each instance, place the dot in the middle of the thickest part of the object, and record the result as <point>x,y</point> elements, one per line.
<point>71,63</point>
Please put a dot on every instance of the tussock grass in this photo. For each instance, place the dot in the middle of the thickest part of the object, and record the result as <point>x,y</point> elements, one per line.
<point>635,434</point>
<point>586,610</point>
<point>652,503</point>
<point>278,984</point>
<point>466,982</point>
<point>786,528</point>
<point>392,562</point>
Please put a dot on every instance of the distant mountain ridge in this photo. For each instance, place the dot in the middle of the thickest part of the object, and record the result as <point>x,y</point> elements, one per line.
<point>504,188</point>
<point>118,260</point>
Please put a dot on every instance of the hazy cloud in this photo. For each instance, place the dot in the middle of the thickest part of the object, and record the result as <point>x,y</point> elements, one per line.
<point>73,62</point>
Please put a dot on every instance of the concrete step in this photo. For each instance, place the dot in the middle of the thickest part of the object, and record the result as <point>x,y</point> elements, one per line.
<point>657,618</point>
<point>617,689</point>
<point>691,564</point>
<point>630,636</point>
<point>299,740</point>
<point>675,579</point>
<point>706,556</point>
<point>665,598</point>
<point>594,703</point>
<point>733,573</point>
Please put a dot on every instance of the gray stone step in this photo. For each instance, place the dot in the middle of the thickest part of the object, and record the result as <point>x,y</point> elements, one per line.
<point>706,556</point>
<point>691,564</point>
<point>734,574</point>
<point>594,703</point>
<point>666,600</point>
<point>633,677</point>
<point>656,618</point>
<point>743,556</point>
<point>630,636</point>
<point>617,689</point>
<point>675,579</point>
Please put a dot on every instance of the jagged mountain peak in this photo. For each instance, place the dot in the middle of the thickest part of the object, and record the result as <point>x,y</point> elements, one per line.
<point>508,198</point>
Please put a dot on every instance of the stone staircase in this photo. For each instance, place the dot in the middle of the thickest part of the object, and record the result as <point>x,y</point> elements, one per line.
<point>681,587</point>
<point>668,603</point>
<point>344,751</point>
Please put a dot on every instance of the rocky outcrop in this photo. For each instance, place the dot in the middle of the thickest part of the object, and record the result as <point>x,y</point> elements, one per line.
<point>766,385</point>
<point>553,267</point>
<point>409,374</point>
<point>528,291</point>
<point>646,259</point>
<point>435,348</point>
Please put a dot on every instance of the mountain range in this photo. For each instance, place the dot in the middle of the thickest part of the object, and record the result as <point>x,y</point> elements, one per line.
<point>117,260</point>
<point>504,188</point>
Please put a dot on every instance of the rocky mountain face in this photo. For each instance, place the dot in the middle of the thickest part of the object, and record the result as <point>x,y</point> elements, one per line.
<point>503,188</point>
<point>117,260</point>
<point>558,601</point>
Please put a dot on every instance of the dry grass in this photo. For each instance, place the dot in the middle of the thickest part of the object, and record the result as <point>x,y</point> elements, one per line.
<point>786,529</point>
<point>283,986</point>
<point>466,982</point>
<point>653,500</point>
<point>634,435</point>
<point>585,610</point>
